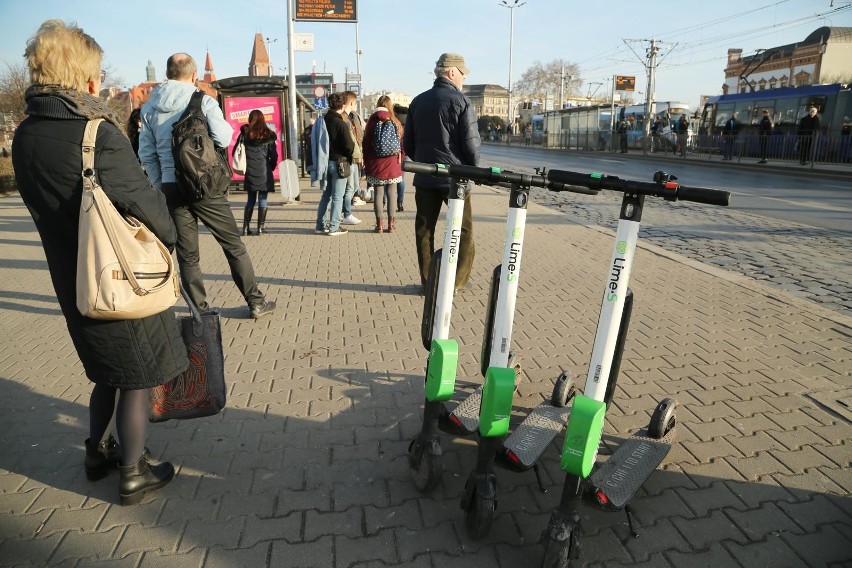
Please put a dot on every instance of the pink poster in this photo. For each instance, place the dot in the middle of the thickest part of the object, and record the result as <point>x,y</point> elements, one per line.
<point>237,110</point>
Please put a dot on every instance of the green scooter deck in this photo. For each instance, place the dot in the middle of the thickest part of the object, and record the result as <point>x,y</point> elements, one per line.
<point>621,476</point>
<point>523,448</point>
<point>463,420</point>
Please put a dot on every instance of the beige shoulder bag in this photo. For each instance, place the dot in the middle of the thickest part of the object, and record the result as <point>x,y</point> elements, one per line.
<point>123,270</point>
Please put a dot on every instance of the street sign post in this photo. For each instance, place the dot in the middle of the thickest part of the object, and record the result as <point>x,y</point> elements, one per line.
<point>625,83</point>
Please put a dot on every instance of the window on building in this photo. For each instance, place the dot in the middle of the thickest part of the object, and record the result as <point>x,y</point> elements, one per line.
<point>803,78</point>
<point>784,81</point>
<point>761,84</point>
<point>773,82</point>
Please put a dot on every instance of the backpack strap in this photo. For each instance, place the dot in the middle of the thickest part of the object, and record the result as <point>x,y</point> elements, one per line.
<point>194,104</point>
<point>88,145</point>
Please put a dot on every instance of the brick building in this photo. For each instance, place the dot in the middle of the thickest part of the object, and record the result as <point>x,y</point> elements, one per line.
<point>825,56</point>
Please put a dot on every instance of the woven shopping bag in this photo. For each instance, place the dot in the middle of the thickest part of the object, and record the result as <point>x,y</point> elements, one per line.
<point>200,390</point>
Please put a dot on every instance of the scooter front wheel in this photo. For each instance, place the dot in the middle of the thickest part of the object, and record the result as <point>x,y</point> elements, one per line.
<point>426,473</point>
<point>480,515</point>
<point>561,543</point>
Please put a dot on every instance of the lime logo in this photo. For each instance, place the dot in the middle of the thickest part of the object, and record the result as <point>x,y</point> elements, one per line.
<point>516,234</point>
<point>621,247</point>
<point>514,261</point>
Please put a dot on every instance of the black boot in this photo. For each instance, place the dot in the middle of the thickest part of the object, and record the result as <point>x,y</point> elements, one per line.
<point>101,457</point>
<point>247,221</point>
<point>141,478</point>
<point>261,220</point>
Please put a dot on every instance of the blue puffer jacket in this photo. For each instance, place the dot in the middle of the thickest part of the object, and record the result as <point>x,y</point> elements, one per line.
<point>441,129</point>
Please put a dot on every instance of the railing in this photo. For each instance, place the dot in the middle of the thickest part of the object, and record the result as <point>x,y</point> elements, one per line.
<point>776,147</point>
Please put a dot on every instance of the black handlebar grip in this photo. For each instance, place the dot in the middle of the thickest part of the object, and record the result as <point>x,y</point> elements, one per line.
<point>704,195</point>
<point>564,177</point>
<point>420,168</point>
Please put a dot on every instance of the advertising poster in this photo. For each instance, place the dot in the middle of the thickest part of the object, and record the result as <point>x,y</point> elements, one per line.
<point>237,111</point>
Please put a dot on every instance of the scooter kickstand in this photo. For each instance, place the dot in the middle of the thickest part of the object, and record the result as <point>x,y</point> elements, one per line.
<point>631,521</point>
<point>537,471</point>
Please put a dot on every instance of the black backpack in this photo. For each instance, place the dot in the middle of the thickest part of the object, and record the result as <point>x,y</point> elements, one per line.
<point>201,169</point>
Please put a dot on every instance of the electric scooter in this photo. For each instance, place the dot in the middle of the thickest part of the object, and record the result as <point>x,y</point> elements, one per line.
<point>492,402</point>
<point>614,483</point>
<point>425,453</point>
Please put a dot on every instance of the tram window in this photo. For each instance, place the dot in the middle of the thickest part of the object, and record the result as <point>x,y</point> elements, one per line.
<point>723,113</point>
<point>818,102</point>
<point>787,111</point>
<point>744,111</point>
<point>758,112</point>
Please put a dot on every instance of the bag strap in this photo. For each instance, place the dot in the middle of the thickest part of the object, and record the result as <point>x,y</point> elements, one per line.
<point>90,184</point>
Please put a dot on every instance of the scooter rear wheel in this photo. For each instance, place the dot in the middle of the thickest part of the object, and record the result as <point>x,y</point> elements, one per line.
<point>480,515</point>
<point>663,419</point>
<point>563,390</point>
<point>427,474</point>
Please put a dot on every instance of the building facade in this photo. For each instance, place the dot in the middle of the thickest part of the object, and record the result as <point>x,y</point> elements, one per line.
<point>488,100</point>
<point>825,56</point>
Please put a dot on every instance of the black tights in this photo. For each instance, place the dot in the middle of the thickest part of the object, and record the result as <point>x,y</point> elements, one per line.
<point>131,417</point>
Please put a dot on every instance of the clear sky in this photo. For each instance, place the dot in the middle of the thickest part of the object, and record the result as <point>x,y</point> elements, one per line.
<point>400,40</point>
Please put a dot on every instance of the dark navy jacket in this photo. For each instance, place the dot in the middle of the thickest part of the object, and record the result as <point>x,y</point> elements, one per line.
<point>441,129</point>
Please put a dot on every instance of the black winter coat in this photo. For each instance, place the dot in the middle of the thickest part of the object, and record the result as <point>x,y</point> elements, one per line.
<point>441,128</point>
<point>126,354</point>
<point>261,159</point>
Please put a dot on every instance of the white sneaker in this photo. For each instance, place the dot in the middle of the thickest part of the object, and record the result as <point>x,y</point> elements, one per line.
<point>350,220</point>
<point>357,202</point>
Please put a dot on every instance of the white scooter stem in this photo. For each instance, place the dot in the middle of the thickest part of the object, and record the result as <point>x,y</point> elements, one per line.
<point>449,265</point>
<point>612,306</point>
<point>507,292</point>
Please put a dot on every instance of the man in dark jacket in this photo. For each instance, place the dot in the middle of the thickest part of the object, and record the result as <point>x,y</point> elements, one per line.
<point>765,129</point>
<point>441,128</point>
<point>808,127</point>
<point>729,136</point>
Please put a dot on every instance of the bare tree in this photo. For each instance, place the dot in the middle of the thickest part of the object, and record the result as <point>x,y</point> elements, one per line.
<point>14,80</point>
<point>543,81</point>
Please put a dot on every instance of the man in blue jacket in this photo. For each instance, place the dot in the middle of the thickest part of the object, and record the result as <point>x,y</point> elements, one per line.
<point>165,107</point>
<point>441,128</point>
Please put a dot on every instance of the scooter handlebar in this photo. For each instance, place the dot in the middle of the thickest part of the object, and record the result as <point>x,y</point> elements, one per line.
<point>704,195</point>
<point>669,190</point>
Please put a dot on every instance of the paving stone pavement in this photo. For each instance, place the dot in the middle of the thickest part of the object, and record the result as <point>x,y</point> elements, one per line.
<point>307,465</point>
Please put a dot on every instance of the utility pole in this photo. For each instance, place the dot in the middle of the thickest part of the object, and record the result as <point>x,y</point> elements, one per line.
<point>291,82</point>
<point>651,69</point>
<point>561,86</point>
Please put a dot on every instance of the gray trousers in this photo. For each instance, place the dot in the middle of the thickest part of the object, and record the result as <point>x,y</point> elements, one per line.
<point>215,213</point>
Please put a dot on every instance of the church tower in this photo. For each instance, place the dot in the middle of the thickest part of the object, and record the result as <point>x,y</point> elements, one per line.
<point>209,76</point>
<point>151,73</point>
<point>259,65</point>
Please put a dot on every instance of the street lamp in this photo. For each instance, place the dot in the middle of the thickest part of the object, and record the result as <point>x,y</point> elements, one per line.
<point>511,6</point>
<point>269,54</point>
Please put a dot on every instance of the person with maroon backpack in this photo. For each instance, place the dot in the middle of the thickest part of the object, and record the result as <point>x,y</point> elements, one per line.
<point>382,159</point>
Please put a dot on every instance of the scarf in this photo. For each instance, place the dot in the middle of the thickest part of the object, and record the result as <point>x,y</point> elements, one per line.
<point>77,102</point>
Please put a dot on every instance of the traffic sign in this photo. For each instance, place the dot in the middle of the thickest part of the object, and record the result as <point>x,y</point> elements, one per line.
<point>319,92</point>
<point>625,83</point>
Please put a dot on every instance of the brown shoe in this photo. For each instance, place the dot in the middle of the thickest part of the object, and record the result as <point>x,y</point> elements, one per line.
<point>380,224</point>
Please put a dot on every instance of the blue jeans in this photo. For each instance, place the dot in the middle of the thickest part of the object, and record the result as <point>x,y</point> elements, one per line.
<point>252,198</point>
<point>352,183</point>
<point>334,190</point>
<point>400,187</point>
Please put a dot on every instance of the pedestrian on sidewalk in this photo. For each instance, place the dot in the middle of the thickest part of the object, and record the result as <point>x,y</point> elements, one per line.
<point>261,161</point>
<point>356,125</point>
<point>401,113</point>
<point>729,136</point>
<point>682,134</point>
<point>122,358</point>
<point>441,128</point>
<point>340,148</point>
<point>808,128</point>
<point>765,129</point>
<point>383,170</point>
<point>622,135</point>
<point>167,104</point>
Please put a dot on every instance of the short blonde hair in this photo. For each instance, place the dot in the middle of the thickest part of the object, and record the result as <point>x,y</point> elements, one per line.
<point>63,55</point>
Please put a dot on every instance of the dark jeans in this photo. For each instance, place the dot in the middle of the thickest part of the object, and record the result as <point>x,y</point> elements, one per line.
<point>215,213</point>
<point>805,148</point>
<point>764,139</point>
<point>729,147</point>
<point>429,202</point>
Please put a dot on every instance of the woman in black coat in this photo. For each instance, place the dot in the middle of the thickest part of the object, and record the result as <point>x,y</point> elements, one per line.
<point>261,160</point>
<point>122,358</point>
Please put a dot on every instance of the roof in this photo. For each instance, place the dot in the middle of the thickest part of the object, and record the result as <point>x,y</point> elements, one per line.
<point>477,90</point>
<point>824,34</point>
<point>252,84</point>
